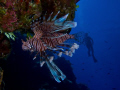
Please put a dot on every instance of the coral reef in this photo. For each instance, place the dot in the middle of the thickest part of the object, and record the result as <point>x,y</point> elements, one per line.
<point>2,84</point>
<point>15,15</point>
<point>1,75</point>
<point>5,46</point>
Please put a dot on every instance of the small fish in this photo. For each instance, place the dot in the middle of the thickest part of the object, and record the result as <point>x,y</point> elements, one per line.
<point>48,36</point>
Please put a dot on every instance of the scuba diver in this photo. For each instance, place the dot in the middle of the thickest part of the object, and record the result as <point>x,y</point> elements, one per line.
<point>89,44</point>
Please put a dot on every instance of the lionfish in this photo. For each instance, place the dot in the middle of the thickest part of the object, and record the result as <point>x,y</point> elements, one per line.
<point>48,36</point>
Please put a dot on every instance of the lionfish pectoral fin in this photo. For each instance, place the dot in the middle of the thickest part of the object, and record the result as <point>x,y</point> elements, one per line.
<point>60,54</point>
<point>51,58</point>
<point>55,71</point>
<point>42,63</point>
<point>35,56</point>
<point>62,75</point>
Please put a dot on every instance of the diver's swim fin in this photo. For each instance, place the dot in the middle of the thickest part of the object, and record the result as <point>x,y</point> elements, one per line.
<point>95,60</point>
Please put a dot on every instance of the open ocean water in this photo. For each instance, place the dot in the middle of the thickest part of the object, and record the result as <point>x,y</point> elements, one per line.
<point>101,20</point>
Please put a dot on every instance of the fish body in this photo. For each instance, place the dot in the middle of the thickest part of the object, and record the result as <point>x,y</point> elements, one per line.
<point>47,36</point>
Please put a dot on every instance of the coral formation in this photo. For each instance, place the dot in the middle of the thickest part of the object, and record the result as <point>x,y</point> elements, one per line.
<point>1,80</point>
<point>5,46</point>
<point>1,75</point>
<point>16,14</point>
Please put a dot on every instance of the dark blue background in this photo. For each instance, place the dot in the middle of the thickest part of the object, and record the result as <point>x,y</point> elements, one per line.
<point>101,19</point>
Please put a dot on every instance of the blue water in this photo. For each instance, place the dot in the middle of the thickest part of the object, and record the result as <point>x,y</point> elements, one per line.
<point>101,20</point>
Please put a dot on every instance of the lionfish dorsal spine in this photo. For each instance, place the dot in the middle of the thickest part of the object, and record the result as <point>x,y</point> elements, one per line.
<point>35,56</point>
<point>55,16</point>
<point>60,54</point>
<point>51,58</point>
<point>44,16</point>
<point>42,63</point>
<point>61,20</point>
<point>49,17</point>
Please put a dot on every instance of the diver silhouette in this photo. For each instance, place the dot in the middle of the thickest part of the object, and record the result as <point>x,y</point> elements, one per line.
<point>89,44</point>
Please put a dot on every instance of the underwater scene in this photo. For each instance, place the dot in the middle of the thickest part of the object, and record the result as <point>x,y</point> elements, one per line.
<point>59,45</point>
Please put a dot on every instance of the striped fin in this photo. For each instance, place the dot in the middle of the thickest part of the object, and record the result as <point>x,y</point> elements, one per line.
<point>55,71</point>
<point>35,56</point>
<point>55,37</point>
<point>60,54</point>
<point>59,71</point>
<point>42,61</point>
<point>56,49</point>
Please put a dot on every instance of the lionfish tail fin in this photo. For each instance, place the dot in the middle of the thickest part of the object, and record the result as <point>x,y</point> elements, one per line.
<point>55,71</point>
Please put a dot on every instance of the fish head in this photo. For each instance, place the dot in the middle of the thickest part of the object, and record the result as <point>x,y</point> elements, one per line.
<point>26,45</point>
